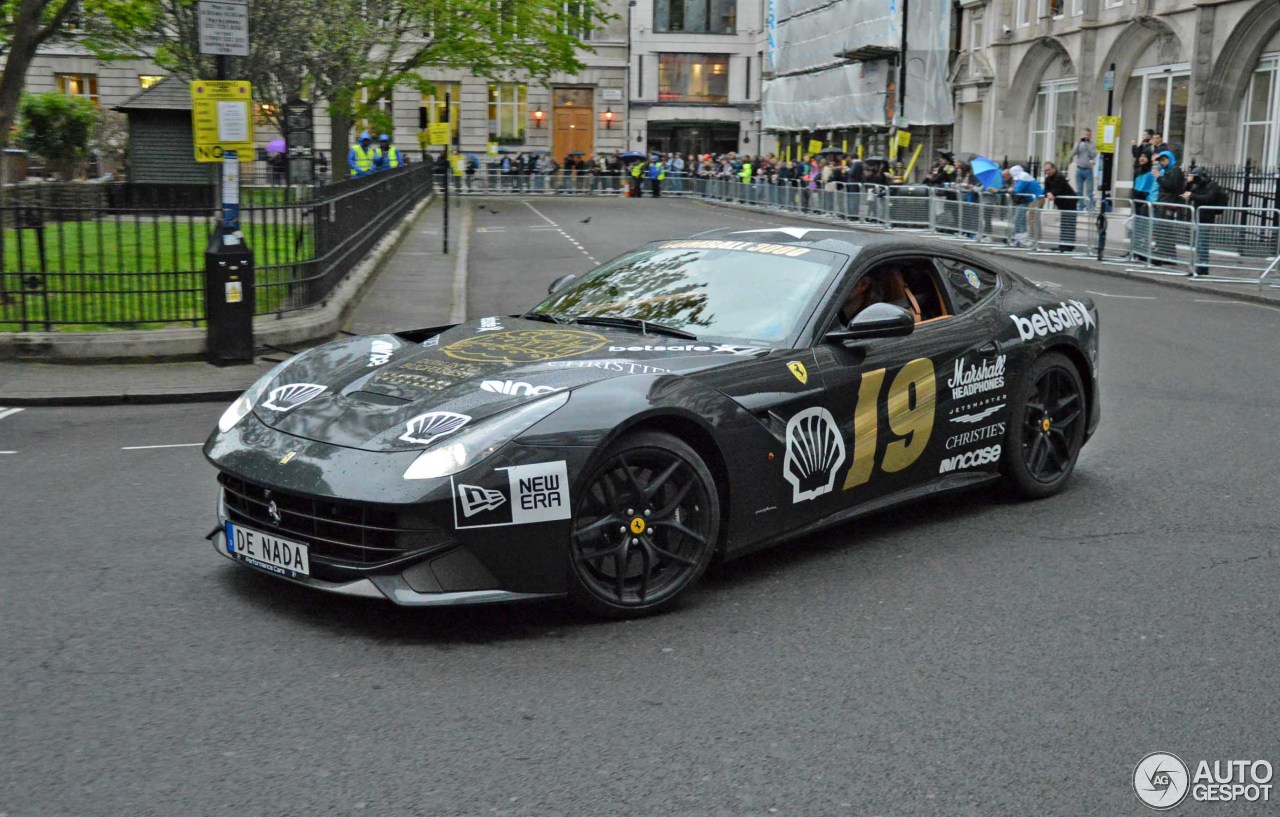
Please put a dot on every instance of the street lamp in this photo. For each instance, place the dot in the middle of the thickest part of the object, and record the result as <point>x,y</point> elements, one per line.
<point>608,118</point>
<point>539,116</point>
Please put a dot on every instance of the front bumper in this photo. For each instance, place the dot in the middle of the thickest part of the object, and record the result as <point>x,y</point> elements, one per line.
<point>393,588</point>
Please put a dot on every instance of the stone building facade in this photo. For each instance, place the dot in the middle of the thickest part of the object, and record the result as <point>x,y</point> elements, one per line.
<point>1032,73</point>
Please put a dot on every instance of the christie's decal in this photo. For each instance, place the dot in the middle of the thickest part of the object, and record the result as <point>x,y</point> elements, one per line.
<point>1068,315</point>
<point>533,493</point>
<point>622,366</point>
<point>976,435</point>
<point>973,379</point>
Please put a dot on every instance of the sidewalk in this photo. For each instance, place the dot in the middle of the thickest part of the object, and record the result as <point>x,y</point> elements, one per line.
<point>417,268</point>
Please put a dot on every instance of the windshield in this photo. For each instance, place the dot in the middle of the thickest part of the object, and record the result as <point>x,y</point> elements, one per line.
<point>726,289</point>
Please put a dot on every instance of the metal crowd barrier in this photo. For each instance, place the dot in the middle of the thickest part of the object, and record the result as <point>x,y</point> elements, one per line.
<point>1236,244</point>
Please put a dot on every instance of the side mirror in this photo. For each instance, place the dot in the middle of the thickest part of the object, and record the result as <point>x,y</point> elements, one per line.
<point>560,283</point>
<point>876,321</point>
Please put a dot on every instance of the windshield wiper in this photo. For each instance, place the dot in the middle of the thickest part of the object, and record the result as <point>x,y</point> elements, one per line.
<point>647,327</point>
<point>545,316</point>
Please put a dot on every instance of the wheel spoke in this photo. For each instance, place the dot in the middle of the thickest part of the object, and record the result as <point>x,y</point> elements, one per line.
<point>676,526</point>
<point>668,555</point>
<point>631,478</point>
<point>620,560</point>
<point>1039,454</point>
<point>662,478</point>
<point>610,490</point>
<point>1069,420</point>
<point>1065,402</point>
<point>671,506</point>
<point>1035,406</point>
<point>611,519</point>
<point>646,564</point>
<point>611,550</point>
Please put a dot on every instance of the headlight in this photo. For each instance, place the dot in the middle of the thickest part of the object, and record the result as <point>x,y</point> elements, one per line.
<point>244,403</point>
<point>477,442</point>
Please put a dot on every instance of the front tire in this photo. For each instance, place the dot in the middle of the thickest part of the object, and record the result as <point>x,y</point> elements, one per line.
<point>1046,429</point>
<point>645,527</point>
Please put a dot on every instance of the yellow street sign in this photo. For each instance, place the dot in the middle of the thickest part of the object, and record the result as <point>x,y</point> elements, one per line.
<point>1107,133</point>
<point>222,119</point>
<point>815,147</point>
<point>438,133</point>
<point>904,138</point>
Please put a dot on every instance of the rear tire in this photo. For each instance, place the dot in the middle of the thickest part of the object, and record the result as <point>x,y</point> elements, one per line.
<point>645,527</point>
<point>1046,428</point>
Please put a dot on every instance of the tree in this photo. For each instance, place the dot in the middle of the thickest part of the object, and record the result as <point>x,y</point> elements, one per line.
<point>56,127</point>
<point>331,50</point>
<point>101,26</point>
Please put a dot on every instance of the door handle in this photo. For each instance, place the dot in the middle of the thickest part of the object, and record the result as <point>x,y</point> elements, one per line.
<point>991,347</point>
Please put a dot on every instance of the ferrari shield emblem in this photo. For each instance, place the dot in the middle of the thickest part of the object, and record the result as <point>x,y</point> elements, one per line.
<point>797,368</point>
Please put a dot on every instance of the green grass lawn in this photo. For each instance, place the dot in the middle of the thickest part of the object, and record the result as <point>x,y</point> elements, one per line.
<point>133,273</point>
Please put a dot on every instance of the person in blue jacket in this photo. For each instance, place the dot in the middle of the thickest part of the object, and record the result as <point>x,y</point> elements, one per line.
<point>1027,194</point>
<point>363,156</point>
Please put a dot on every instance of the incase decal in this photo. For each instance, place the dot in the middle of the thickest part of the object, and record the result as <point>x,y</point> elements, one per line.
<point>379,353</point>
<point>970,459</point>
<point>284,398</point>
<point>533,493</point>
<point>815,451</point>
<point>512,387</point>
<point>974,379</point>
<point>1068,315</point>
<point>433,425</point>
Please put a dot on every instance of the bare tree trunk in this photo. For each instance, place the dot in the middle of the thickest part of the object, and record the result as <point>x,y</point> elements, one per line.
<point>339,140</point>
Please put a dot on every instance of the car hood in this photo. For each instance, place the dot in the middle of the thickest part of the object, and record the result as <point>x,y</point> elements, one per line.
<point>401,392</point>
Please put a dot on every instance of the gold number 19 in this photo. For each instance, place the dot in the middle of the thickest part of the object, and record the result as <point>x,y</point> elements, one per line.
<point>912,399</point>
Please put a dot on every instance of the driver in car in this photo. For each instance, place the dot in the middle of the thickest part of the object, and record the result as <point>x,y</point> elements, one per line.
<point>883,285</point>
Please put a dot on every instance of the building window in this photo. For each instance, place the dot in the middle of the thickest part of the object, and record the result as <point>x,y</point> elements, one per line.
<point>433,100</point>
<point>81,85</point>
<point>1026,12</point>
<point>1258,143</point>
<point>693,78</point>
<point>1053,122</point>
<point>977,41</point>
<point>145,81</point>
<point>1054,9</point>
<point>696,16</point>
<point>1165,93</point>
<point>575,18</point>
<point>1077,8</point>
<point>1113,4</point>
<point>508,111</point>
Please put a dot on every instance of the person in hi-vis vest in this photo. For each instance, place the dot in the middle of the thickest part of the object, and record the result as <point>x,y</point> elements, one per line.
<point>388,155</point>
<point>362,156</point>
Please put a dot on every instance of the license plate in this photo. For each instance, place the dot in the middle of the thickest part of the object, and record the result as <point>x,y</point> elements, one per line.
<point>268,551</point>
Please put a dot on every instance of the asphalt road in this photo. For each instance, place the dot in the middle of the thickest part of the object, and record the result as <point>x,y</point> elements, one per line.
<point>966,656</point>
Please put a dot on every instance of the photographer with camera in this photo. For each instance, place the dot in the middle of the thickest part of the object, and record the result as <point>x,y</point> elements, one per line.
<point>1146,148</point>
<point>1084,154</point>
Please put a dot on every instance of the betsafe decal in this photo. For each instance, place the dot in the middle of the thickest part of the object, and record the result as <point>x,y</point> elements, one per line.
<point>533,493</point>
<point>1068,315</point>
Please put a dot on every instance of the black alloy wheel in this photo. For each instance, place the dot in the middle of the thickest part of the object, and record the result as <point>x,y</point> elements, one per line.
<point>645,526</point>
<point>1047,428</point>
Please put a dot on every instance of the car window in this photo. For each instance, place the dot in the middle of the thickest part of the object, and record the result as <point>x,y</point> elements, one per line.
<point>911,283</point>
<point>715,289</point>
<point>970,284</point>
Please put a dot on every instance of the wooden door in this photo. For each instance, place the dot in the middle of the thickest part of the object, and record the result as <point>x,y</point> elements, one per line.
<point>572,120</point>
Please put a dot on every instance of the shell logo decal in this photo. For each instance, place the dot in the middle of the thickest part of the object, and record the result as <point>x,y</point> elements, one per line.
<point>797,368</point>
<point>284,398</point>
<point>815,451</point>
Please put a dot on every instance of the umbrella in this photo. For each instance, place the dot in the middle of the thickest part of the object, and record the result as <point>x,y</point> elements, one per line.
<point>986,171</point>
<point>575,153</point>
<point>831,152</point>
<point>876,158</point>
<point>632,154</point>
<point>539,153</point>
<point>276,146</point>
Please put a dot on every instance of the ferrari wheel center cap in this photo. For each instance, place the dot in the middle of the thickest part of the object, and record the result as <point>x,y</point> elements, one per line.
<point>1044,424</point>
<point>637,525</point>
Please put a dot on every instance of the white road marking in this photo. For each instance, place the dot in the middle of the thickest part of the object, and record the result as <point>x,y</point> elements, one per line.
<point>145,447</point>
<point>1131,297</point>
<point>8,412</point>
<point>1232,303</point>
<point>8,452</point>
<point>1050,284</point>
<point>561,231</point>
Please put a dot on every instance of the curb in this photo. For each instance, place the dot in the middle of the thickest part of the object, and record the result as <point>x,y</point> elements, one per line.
<point>155,345</point>
<point>458,307</point>
<point>139,399</point>
<point>1067,261</point>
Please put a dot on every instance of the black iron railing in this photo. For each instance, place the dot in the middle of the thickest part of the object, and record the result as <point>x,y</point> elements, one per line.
<point>143,266</point>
